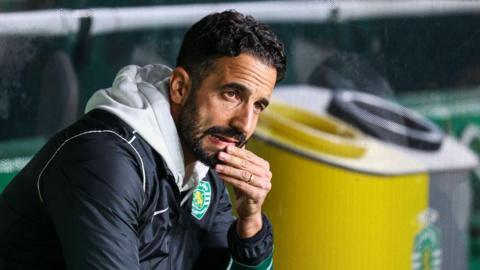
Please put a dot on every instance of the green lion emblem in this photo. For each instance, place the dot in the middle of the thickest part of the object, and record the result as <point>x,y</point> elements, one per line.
<point>201,199</point>
<point>427,253</point>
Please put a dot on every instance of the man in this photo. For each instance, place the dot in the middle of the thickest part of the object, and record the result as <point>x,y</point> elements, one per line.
<point>139,181</point>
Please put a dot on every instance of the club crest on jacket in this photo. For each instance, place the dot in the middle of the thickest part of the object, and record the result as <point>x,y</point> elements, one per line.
<point>201,199</point>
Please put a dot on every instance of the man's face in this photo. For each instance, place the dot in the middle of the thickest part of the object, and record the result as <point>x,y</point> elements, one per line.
<point>224,109</point>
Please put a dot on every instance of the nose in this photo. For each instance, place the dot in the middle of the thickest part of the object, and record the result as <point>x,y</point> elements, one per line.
<point>244,119</point>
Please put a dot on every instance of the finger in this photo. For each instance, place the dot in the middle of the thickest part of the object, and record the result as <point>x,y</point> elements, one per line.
<point>243,164</point>
<point>245,176</point>
<point>248,190</point>
<point>246,154</point>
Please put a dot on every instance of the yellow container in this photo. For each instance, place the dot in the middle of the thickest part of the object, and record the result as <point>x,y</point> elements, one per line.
<point>340,201</point>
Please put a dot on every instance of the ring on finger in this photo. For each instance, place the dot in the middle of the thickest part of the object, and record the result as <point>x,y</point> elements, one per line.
<point>250,179</point>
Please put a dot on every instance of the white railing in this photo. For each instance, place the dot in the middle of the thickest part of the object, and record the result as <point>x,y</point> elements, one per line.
<point>107,20</point>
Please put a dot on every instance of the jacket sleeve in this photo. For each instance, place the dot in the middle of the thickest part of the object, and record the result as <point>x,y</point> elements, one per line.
<point>224,249</point>
<point>93,194</point>
<point>252,253</point>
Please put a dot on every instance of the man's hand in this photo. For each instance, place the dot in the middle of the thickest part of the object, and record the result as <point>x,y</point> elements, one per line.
<point>250,177</point>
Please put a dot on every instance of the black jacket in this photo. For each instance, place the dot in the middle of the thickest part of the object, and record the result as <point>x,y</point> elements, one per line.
<point>98,197</point>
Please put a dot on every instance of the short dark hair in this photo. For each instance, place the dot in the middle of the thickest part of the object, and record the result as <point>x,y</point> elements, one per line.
<point>229,33</point>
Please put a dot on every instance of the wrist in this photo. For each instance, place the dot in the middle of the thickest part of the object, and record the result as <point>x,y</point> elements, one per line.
<point>254,250</point>
<point>249,226</point>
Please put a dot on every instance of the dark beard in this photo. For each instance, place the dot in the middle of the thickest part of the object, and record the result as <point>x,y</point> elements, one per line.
<point>191,135</point>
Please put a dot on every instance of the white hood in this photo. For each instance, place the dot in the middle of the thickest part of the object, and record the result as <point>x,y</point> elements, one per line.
<point>139,96</point>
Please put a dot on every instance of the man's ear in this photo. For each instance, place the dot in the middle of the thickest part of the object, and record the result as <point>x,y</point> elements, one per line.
<point>180,85</point>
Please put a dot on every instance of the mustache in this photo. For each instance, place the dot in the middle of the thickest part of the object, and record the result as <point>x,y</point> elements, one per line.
<point>228,132</point>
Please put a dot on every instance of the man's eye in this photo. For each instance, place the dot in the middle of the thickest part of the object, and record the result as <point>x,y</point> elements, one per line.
<point>259,107</point>
<point>231,94</point>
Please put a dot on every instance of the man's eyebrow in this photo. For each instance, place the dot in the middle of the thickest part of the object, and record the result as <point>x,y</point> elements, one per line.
<point>236,86</point>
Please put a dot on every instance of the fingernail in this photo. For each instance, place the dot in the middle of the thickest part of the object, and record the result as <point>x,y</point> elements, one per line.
<point>222,155</point>
<point>218,168</point>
